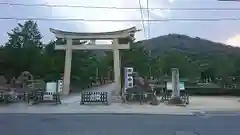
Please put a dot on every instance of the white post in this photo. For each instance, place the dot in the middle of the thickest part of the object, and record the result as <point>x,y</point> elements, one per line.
<point>67,68</point>
<point>175,83</point>
<point>117,66</point>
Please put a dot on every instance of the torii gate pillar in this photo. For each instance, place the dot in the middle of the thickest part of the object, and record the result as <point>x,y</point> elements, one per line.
<point>67,68</point>
<point>115,36</point>
<point>116,66</point>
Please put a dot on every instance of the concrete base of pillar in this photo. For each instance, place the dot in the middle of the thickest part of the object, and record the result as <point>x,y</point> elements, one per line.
<point>115,96</point>
<point>175,101</point>
<point>65,93</point>
<point>115,90</point>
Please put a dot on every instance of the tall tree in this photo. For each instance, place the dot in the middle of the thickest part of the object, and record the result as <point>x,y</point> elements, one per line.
<point>23,49</point>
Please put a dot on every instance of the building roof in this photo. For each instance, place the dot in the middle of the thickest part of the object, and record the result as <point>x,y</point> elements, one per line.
<point>99,35</point>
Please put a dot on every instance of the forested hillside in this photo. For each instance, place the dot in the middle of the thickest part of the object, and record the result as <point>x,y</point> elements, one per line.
<point>195,57</point>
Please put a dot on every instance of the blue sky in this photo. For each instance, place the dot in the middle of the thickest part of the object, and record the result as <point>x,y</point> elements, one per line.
<point>223,31</point>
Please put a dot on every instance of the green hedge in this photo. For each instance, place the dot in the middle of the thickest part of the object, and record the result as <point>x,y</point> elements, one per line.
<point>210,91</point>
<point>213,91</point>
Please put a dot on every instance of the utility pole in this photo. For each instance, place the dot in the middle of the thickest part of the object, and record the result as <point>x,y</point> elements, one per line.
<point>149,64</point>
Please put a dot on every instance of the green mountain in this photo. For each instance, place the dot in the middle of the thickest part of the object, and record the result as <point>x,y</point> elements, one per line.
<point>193,56</point>
<point>182,43</point>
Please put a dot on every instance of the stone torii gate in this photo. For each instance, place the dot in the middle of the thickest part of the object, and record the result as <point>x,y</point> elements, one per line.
<point>76,41</point>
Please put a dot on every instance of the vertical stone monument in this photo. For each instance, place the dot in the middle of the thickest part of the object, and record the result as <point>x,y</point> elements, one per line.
<point>175,88</point>
<point>175,83</point>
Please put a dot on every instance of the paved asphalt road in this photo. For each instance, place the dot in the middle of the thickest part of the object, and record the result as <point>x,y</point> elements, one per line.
<point>113,124</point>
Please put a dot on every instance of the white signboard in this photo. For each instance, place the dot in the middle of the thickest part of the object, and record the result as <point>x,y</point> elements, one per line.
<point>60,85</point>
<point>128,79</point>
<point>51,87</point>
<point>169,86</point>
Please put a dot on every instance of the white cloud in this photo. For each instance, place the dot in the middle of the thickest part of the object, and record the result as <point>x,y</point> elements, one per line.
<point>104,14</point>
<point>200,29</point>
<point>171,1</point>
<point>234,41</point>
